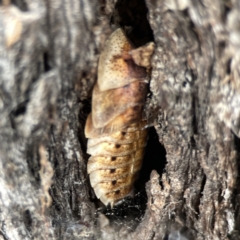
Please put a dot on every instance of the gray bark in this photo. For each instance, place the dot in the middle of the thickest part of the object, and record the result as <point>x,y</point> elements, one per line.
<point>49,53</point>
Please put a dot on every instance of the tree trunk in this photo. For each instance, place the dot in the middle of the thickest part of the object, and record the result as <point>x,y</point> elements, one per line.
<point>49,56</point>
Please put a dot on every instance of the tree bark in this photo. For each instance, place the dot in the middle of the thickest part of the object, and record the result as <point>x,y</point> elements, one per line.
<point>49,56</point>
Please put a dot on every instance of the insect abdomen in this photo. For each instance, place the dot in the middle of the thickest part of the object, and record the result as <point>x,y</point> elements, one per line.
<point>115,129</point>
<point>113,166</point>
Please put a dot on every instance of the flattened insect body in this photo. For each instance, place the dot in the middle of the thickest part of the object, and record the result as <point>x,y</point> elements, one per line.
<point>115,130</point>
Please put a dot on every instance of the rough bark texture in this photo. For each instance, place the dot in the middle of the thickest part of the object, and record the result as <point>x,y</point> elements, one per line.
<point>48,64</point>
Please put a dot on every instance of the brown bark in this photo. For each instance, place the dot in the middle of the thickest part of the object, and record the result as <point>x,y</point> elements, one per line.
<point>49,55</point>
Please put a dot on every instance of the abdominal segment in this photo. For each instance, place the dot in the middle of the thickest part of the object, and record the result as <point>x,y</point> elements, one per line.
<point>114,166</point>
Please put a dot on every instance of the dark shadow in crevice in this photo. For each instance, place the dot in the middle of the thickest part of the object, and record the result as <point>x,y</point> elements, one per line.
<point>235,195</point>
<point>132,17</point>
<point>82,118</point>
<point>46,62</point>
<point>19,110</point>
<point>27,219</point>
<point>154,159</point>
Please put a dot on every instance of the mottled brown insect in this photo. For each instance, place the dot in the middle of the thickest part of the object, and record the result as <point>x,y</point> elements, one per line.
<point>115,130</point>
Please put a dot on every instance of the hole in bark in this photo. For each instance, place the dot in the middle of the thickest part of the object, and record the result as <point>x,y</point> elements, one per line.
<point>229,66</point>
<point>194,121</point>
<point>193,142</point>
<point>236,192</point>
<point>27,219</point>
<point>198,200</point>
<point>82,118</point>
<point>19,110</point>
<point>222,46</point>
<point>132,15</point>
<point>46,62</point>
<point>184,84</point>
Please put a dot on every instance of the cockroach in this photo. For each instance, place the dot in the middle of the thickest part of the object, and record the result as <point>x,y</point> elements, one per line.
<point>115,128</point>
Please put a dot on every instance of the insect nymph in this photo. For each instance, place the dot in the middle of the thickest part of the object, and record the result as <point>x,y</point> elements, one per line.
<point>115,130</point>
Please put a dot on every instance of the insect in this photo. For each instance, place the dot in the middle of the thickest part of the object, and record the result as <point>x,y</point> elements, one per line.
<point>115,128</point>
